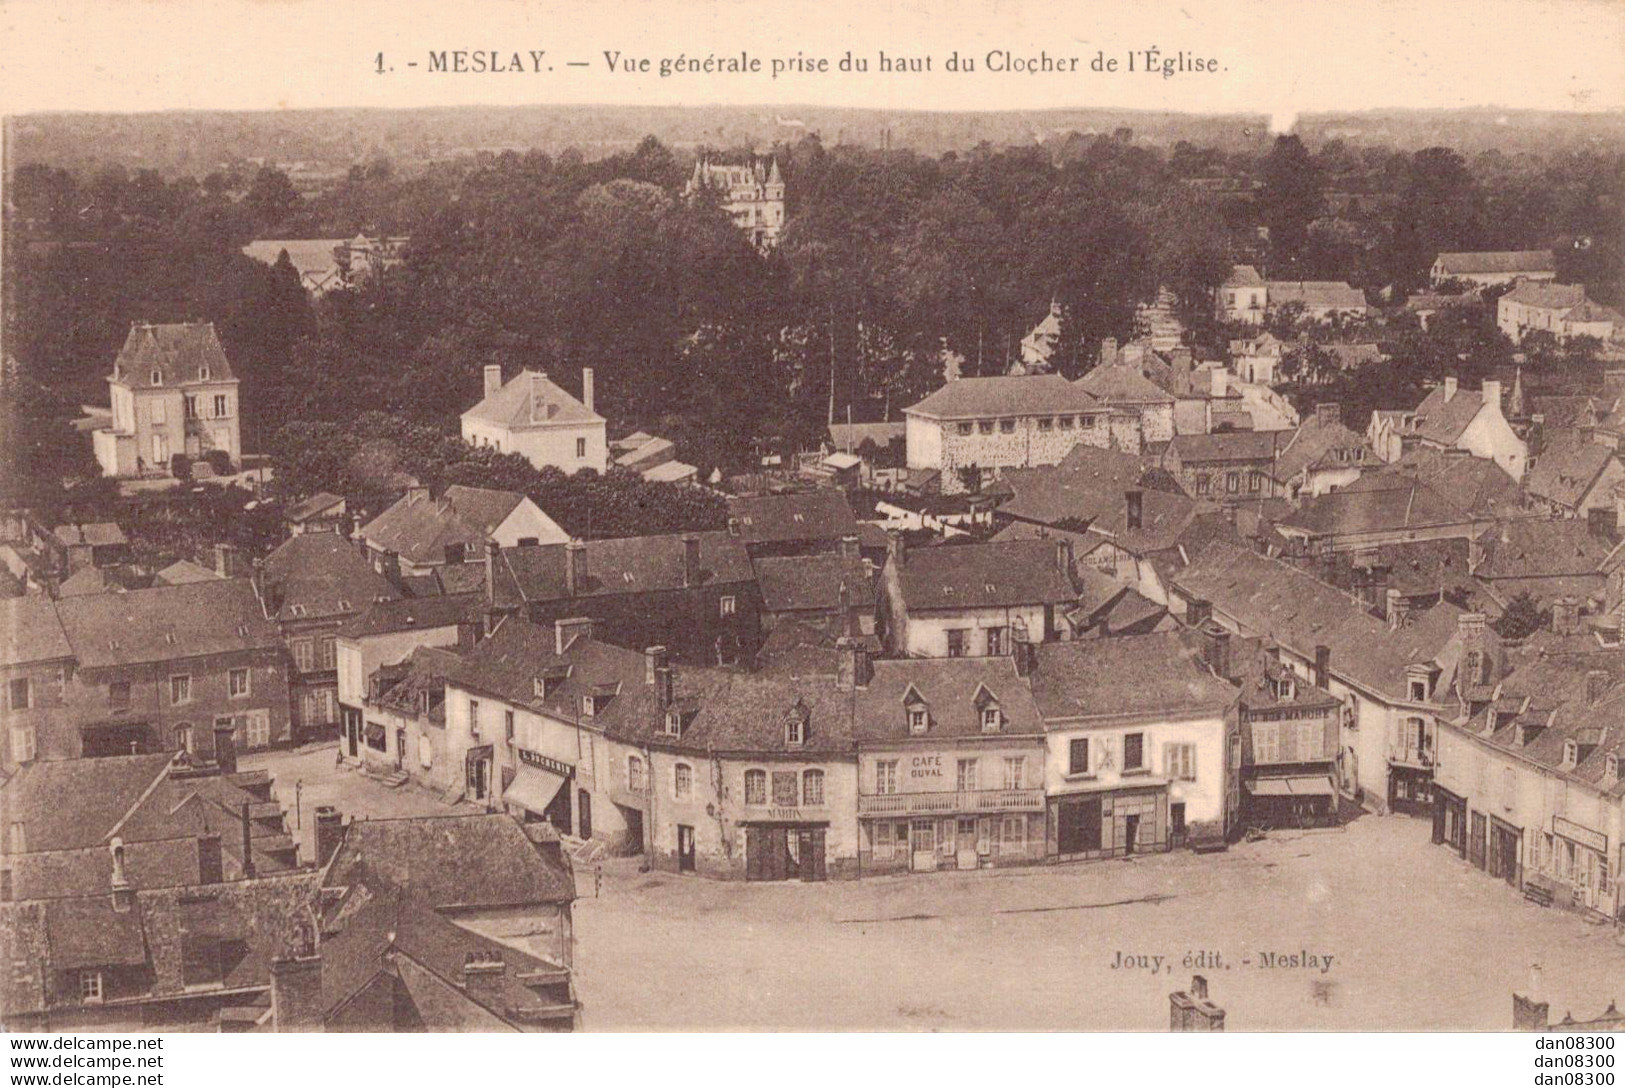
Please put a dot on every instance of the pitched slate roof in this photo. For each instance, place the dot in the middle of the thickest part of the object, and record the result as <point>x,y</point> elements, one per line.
<point>852,436</point>
<point>1024,395</point>
<point>1399,504</point>
<point>992,575</point>
<point>813,583</point>
<point>1547,296</point>
<point>1474,485</point>
<point>97,534</point>
<point>954,691</point>
<point>414,613</point>
<point>56,874</point>
<point>426,672</point>
<point>1567,411</point>
<point>182,572</point>
<point>166,623</point>
<point>1086,481</point>
<point>1227,446</point>
<point>1132,676</point>
<point>319,503</point>
<point>32,631</point>
<point>531,399</point>
<point>1122,383</point>
<point>746,716</point>
<point>179,352</point>
<point>100,793</point>
<point>637,564</point>
<point>449,862</point>
<point>1551,695</point>
<point>1316,444</point>
<point>1243,275</point>
<point>804,516</point>
<point>1316,294</point>
<point>420,528</point>
<point>1568,465</point>
<point>1501,262</point>
<point>1443,421</point>
<point>321,574</point>
<point>1268,597</point>
<point>1538,548</point>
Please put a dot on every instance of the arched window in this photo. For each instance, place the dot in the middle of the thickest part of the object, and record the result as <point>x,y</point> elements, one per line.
<point>683,781</point>
<point>755,787</point>
<point>634,774</point>
<point>812,787</point>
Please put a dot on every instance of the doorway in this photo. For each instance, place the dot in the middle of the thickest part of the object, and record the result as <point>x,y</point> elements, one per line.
<point>1079,826</point>
<point>685,848</point>
<point>400,749</point>
<point>1131,832</point>
<point>584,811</point>
<point>965,843</point>
<point>922,846</point>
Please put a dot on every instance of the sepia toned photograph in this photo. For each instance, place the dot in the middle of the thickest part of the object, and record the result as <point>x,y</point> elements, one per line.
<point>703,517</point>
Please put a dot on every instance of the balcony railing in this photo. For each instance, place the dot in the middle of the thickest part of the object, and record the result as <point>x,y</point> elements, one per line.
<point>946,803</point>
<point>1411,757</point>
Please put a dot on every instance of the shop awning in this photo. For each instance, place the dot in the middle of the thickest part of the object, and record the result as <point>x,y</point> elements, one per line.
<point>533,788</point>
<point>1302,786</point>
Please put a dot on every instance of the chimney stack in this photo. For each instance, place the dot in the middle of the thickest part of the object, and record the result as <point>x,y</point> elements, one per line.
<point>1108,351</point>
<point>1135,500</point>
<point>853,669</point>
<point>896,548</point>
<point>586,388</point>
<point>1023,650</point>
<point>849,547</point>
<point>1323,667</point>
<point>493,379</point>
<point>1395,610</point>
<point>691,560</point>
<point>654,659</point>
<point>123,894</point>
<point>575,568</point>
<point>492,548</point>
<point>329,833</point>
<point>225,560</point>
<point>1198,613</point>
<point>1491,392</point>
<point>665,688</point>
<point>1449,388</point>
<point>248,843</point>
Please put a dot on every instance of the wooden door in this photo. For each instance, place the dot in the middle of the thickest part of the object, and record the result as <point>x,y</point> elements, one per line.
<point>923,846</point>
<point>755,853</point>
<point>965,843</point>
<point>584,806</point>
<point>811,849</point>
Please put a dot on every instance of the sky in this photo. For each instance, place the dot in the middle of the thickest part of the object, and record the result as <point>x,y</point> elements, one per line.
<point>1280,57</point>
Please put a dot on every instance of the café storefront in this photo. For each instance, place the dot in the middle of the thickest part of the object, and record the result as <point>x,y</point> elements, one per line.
<point>539,788</point>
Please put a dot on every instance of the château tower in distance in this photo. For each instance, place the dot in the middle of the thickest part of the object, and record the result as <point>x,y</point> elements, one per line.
<point>753,194</point>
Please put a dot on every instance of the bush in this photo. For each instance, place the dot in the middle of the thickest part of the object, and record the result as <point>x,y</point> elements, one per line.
<point>220,461</point>
<point>180,467</point>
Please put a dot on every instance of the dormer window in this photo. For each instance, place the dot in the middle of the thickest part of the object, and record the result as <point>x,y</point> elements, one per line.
<point>1419,690</point>
<point>157,377</point>
<point>992,720</point>
<point>795,725</point>
<point>918,720</point>
<point>589,706</point>
<point>202,373</point>
<point>1610,768</point>
<point>1571,754</point>
<point>674,723</point>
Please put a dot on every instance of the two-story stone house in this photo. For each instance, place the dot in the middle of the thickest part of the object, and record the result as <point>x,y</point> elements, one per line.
<point>950,763</point>
<point>311,585</point>
<point>36,664</point>
<point>970,600</point>
<point>973,429</point>
<point>167,668</point>
<point>173,392</point>
<point>532,416</point>
<point>1143,751</point>
<point>421,534</point>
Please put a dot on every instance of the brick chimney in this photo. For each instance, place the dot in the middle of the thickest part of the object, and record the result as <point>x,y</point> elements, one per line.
<point>665,693</point>
<point>575,568</point>
<point>296,992</point>
<point>691,560</point>
<point>492,550</point>
<point>225,561</point>
<point>329,833</point>
<point>1449,388</point>
<point>1134,500</point>
<point>1395,610</point>
<point>493,379</point>
<point>483,976</point>
<point>586,388</point>
<point>654,659</point>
